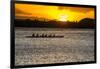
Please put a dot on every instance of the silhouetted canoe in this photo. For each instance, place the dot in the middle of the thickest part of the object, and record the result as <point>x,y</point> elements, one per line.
<point>45,36</point>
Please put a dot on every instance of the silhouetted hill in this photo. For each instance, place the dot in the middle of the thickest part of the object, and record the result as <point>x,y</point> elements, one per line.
<point>87,22</point>
<point>84,23</point>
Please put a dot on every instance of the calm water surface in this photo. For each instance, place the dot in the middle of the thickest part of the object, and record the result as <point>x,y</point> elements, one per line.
<point>76,46</point>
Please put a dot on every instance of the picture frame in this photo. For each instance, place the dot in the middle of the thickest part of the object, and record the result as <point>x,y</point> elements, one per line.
<point>13,52</point>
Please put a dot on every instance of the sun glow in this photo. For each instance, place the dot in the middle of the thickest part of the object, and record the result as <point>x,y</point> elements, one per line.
<point>59,13</point>
<point>63,18</point>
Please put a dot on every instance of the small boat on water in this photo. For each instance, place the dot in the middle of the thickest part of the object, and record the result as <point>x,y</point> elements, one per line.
<point>37,35</point>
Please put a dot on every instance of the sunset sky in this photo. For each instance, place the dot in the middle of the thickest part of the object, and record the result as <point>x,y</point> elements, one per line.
<point>60,13</point>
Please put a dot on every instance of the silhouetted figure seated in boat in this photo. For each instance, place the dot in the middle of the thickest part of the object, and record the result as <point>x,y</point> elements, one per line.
<point>53,35</point>
<point>42,35</point>
<point>33,35</point>
<point>50,35</point>
<point>37,35</point>
<point>45,35</point>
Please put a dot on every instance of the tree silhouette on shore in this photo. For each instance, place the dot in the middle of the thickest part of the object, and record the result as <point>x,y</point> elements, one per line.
<point>84,23</point>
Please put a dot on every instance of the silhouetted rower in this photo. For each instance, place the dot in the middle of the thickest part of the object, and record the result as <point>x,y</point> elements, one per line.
<point>42,35</point>
<point>53,35</point>
<point>45,35</point>
<point>33,35</point>
<point>37,35</point>
<point>50,35</point>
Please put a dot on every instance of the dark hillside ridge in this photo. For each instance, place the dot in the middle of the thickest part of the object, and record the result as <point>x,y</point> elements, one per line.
<point>84,23</point>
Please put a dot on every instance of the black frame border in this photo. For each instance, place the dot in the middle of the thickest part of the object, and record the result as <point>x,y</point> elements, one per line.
<point>12,34</point>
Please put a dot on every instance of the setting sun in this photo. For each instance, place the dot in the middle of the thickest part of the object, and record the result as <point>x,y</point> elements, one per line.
<point>63,18</point>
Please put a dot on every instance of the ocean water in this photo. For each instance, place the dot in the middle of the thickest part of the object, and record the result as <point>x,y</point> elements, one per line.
<point>77,45</point>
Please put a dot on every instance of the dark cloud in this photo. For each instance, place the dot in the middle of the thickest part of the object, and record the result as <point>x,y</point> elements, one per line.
<point>76,9</point>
